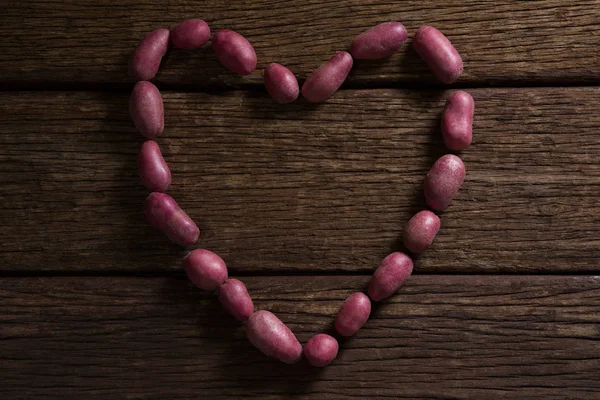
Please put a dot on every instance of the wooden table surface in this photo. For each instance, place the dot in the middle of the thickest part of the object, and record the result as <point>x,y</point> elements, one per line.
<point>302,201</point>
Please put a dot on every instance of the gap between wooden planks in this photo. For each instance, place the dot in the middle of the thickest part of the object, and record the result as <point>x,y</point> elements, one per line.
<point>440,337</point>
<point>301,188</point>
<point>69,41</point>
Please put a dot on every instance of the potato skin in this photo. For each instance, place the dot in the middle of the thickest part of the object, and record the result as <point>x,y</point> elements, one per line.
<point>234,51</point>
<point>272,337</point>
<point>234,297</point>
<point>190,34</point>
<point>321,350</point>
<point>146,58</point>
<point>438,53</point>
<point>394,270</point>
<point>380,41</point>
<point>457,120</point>
<point>205,269</point>
<point>421,231</point>
<point>281,83</point>
<point>353,314</point>
<point>328,78</point>
<point>164,214</point>
<point>147,110</point>
<point>153,169</point>
<point>443,181</point>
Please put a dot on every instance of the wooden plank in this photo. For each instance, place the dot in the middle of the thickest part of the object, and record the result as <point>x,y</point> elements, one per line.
<point>442,337</point>
<point>74,42</point>
<point>301,188</point>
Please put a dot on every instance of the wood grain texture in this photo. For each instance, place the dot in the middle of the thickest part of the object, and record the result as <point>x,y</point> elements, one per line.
<point>442,337</point>
<point>74,42</point>
<point>301,188</point>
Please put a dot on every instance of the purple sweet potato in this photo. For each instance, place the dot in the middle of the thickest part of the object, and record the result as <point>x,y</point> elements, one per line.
<point>146,58</point>
<point>328,78</point>
<point>443,181</point>
<point>457,120</point>
<point>273,337</point>
<point>353,314</point>
<point>281,83</point>
<point>153,169</point>
<point>438,53</point>
<point>190,34</point>
<point>146,109</point>
<point>378,42</point>
<point>164,214</point>
<point>420,231</point>
<point>394,270</point>
<point>234,297</point>
<point>205,269</point>
<point>234,51</point>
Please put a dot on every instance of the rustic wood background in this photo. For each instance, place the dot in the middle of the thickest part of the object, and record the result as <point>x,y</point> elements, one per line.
<point>302,201</point>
